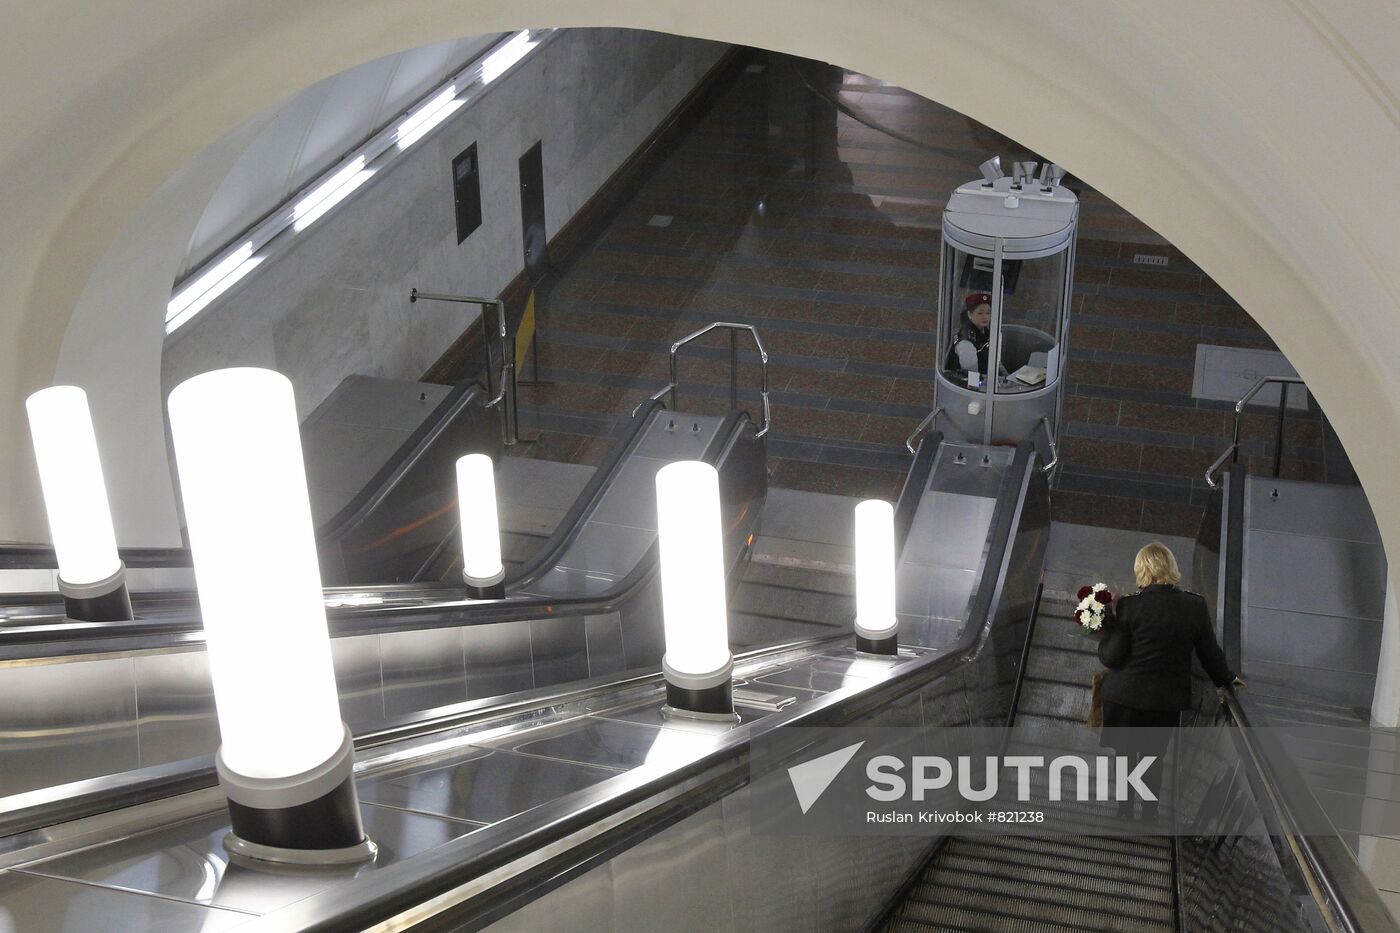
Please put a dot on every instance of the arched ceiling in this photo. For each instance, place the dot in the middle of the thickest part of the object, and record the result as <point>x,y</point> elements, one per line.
<point>1257,136</point>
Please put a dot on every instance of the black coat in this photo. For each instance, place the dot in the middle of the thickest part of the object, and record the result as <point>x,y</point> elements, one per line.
<point>1149,645</point>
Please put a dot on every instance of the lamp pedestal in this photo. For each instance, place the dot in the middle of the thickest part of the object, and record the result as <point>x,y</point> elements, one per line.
<point>104,601</point>
<point>312,818</point>
<point>701,696</point>
<point>885,642</point>
<point>493,587</point>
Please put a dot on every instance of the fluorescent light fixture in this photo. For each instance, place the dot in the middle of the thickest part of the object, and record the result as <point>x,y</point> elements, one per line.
<point>75,496</point>
<point>481,529</point>
<point>243,481</point>
<point>198,294</point>
<point>875,570</point>
<point>421,121</point>
<point>695,617</point>
<point>501,60</point>
<point>329,193</point>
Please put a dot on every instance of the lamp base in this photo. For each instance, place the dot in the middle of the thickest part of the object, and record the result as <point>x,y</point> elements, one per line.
<point>363,851</point>
<point>715,702</point>
<point>103,601</point>
<point>490,591</point>
<point>887,646</point>
<point>309,818</point>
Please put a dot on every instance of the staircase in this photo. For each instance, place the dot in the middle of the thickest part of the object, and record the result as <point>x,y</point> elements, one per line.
<point>1029,885</point>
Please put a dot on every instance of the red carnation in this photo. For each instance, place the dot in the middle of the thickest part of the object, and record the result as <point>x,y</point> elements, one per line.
<point>1103,596</point>
<point>1084,591</point>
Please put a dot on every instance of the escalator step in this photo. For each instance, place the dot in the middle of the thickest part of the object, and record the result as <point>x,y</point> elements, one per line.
<point>1015,880</point>
<point>1033,855</point>
<point>1054,889</point>
<point>972,910</point>
<point>1150,886</point>
<point>1152,851</point>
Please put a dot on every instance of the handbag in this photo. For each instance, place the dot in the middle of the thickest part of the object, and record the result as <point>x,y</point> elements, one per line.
<point>1095,720</point>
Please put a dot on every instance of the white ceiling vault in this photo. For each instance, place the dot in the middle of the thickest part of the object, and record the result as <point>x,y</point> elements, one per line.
<point>312,129</point>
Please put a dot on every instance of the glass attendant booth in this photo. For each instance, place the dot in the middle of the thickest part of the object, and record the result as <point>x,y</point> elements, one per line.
<point>1004,292</point>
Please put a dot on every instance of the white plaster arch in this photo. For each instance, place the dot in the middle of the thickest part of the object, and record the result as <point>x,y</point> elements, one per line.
<point>1226,127</point>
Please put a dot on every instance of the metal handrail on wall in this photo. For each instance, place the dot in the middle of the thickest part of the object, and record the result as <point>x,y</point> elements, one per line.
<point>510,423</point>
<point>734,330</point>
<point>1232,453</point>
<point>924,427</point>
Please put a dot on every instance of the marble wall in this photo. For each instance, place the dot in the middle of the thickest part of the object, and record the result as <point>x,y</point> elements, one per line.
<point>336,303</point>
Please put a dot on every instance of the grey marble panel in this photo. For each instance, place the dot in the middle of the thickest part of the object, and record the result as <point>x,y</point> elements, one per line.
<point>1322,641</point>
<point>1282,569</point>
<point>1316,509</point>
<point>66,722</point>
<point>175,703</point>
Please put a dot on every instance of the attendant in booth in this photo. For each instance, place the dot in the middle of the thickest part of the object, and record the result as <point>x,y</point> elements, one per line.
<point>972,342</point>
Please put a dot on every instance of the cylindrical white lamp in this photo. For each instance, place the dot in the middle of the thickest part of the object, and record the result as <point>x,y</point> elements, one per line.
<point>91,576</point>
<point>482,569</point>
<point>286,759</point>
<point>697,665</point>
<point>876,623</point>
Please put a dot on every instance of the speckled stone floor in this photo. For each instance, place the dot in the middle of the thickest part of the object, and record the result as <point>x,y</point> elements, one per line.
<point>806,202</point>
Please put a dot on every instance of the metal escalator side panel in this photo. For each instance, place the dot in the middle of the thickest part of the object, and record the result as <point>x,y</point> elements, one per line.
<point>409,506</point>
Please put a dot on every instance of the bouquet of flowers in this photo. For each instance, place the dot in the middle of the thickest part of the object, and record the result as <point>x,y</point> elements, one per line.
<point>1095,607</point>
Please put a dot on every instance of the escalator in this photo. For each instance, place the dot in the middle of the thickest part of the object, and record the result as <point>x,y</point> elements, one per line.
<point>595,761</point>
<point>584,806</point>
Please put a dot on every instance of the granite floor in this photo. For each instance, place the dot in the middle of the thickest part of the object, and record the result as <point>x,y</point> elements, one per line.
<point>806,201</point>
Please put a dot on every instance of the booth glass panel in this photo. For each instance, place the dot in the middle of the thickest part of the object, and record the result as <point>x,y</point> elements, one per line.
<point>1032,291</point>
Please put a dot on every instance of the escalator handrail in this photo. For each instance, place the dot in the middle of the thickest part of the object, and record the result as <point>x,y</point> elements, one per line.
<point>1345,897</point>
<point>914,482</point>
<point>637,804</point>
<point>359,508</point>
<point>570,525</point>
<point>43,557</point>
<point>67,637</point>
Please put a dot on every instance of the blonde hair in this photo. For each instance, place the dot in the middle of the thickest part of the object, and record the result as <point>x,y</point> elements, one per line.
<point>1155,563</point>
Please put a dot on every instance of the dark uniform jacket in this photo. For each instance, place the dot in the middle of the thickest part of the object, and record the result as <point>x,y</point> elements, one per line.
<point>1149,645</point>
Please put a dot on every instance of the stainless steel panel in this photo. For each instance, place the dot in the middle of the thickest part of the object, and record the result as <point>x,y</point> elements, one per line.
<point>770,882</point>
<point>610,744</point>
<point>175,706</point>
<point>1338,688</point>
<point>1285,572</point>
<point>806,679</point>
<point>66,721</point>
<point>560,650</point>
<point>360,680</point>
<point>978,473</point>
<point>933,592</point>
<point>422,670</point>
<point>598,557</point>
<point>949,531</point>
<point>1337,644</point>
<point>497,659</point>
<point>485,786</point>
<point>187,862</point>
<point>681,875</point>
<point>605,649</point>
<point>1317,509</point>
<point>584,904</point>
<point>684,442</point>
<point>653,713</point>
<point>631,496</point>
<point>43,905</point>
